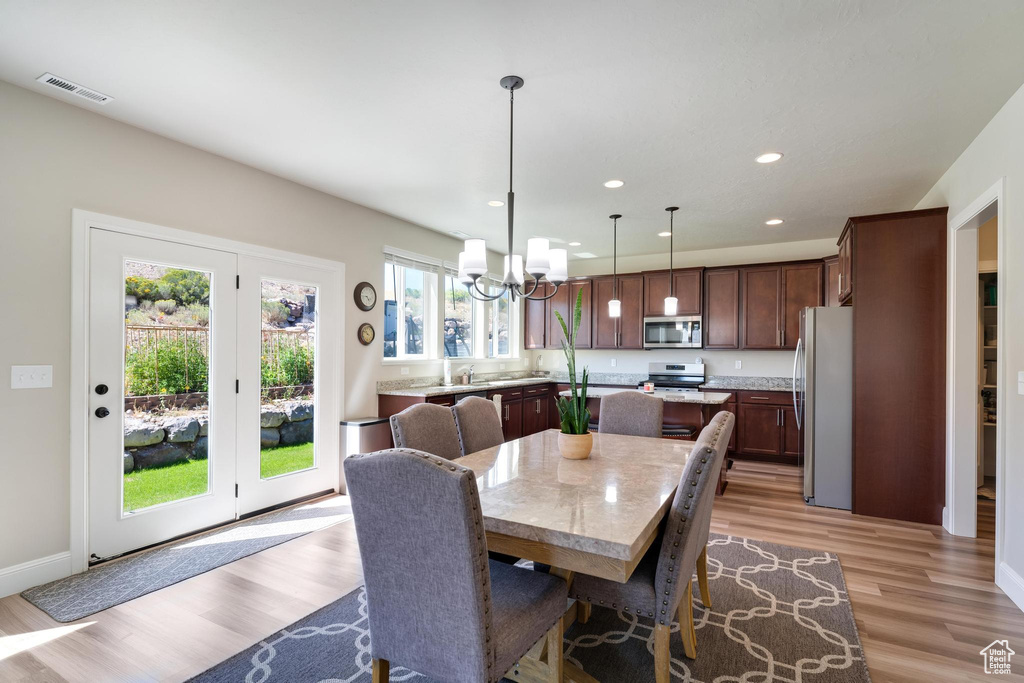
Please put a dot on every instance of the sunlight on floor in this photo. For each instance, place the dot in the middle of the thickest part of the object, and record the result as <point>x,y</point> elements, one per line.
<point>12,645</point>
<point>322,514</point>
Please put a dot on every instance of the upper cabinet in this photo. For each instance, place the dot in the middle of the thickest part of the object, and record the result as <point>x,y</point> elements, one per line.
<point>535,315</point>
<point>773,297</point>
<point>722,308</point>
<point>832,281</point>
<point>846,264</point>
<point>626,331</point>
<point>562,303</point>
<point>688,290</point>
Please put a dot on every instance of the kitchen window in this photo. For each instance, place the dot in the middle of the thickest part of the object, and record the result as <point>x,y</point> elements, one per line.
<point>410,306</point>
<point>458,326</point>
<point>500,319</point>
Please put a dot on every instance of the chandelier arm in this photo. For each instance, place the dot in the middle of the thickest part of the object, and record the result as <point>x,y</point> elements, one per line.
<point>544,298</point>
<point>480,296</point>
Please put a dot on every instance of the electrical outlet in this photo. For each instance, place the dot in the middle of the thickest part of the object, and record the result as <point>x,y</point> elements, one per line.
<point>404,371</point>
<point>613,362</point>
<point>699,360</point>
<point>739,365</point>
<point>540,360</point>
<point>501,366</point>
<point>31,376</point>
<point>1020,382</point>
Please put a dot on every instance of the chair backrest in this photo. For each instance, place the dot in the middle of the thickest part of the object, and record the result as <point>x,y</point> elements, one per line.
<point>478,424</point>
<point>718,431</point>
<point>420,531</point>
<point>684,537</point>
<point>631,413</point>
<point>427,427</point>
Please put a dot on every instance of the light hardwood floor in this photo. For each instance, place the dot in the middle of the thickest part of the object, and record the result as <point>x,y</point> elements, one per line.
<point>924,601</point>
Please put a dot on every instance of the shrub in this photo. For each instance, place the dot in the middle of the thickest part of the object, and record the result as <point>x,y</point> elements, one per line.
<point>168,366</point>
<point>138,316</point>
<point>166,305</point>
<point>139,287</point>
<point>274,312</point>
<point>289,365</point>
<point>187,286</point>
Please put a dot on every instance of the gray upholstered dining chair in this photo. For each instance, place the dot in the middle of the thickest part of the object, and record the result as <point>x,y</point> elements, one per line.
<point>478,424</point>
<point>662,583</point>
<point>631,413</point>
<point>427,427</point>
<point>436,604</point>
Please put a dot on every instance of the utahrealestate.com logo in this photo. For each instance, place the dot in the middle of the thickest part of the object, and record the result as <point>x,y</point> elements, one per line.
<point>997,657</point>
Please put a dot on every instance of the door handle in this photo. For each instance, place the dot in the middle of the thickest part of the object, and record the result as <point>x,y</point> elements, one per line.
<point>102,412</point>
<point>101,389</point>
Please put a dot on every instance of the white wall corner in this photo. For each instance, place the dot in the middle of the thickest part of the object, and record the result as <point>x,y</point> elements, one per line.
<point>34,572</point>
<point>945,519</point>
<point>1011,583</point>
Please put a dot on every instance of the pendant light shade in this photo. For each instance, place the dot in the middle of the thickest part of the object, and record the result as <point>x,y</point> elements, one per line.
<point>537,256</point>
<point>671,302</point>
<point>475,263</point>
<point>614,304</point>
<point>559,266</point>
<point>464,277</point>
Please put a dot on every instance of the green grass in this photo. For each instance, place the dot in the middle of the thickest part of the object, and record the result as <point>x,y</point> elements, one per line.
<point>144,488</point>
<point>284,459</point>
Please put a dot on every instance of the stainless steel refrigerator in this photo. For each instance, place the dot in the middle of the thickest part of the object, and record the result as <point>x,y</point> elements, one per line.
<point>823,399</point>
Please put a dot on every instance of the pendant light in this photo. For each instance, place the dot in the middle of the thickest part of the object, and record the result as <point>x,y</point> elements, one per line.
<point>542,262</point>
<point>671,303</point>
<point>614,305</point>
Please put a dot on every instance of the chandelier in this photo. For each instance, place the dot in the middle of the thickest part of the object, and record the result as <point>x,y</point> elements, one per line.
<point>542,262</point>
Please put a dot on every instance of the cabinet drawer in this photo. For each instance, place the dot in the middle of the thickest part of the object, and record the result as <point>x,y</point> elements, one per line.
<point>536,391</point>
<point>771,398</point>
<point>507,394</point>
<point>447,400</point>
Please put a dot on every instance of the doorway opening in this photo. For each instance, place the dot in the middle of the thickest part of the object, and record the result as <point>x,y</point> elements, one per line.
<point>988,374</point>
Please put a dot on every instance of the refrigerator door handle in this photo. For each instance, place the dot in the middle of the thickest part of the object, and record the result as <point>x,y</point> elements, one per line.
<point>796,361</point>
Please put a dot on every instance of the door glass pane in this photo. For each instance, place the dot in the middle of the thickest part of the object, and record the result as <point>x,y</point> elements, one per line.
<point>166,372</point>
<point>287,364</point>
<point>458,319</point>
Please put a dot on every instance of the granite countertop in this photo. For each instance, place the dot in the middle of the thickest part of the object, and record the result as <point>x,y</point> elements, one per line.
<point>442,390</point>
<point>739,383</point>
<point>703,397</point>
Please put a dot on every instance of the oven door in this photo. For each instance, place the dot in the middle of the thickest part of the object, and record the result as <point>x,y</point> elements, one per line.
<point>672,333</point>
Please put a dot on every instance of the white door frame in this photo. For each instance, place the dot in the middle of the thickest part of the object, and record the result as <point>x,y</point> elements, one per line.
<point>81,222</point>
<point>960,515</point>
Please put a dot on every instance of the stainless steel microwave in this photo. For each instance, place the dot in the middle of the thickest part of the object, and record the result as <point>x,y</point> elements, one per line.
<point>676,332</point>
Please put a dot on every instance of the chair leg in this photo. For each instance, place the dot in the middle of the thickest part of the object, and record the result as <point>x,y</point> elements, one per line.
<point>554,648</point>
<point>686,627</point>
<point>381,671</point>
<point>662,657</point>
<point>583,611</point>
<point>702,578</point>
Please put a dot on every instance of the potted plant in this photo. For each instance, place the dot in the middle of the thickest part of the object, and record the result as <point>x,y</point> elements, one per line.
<point>575,439</point>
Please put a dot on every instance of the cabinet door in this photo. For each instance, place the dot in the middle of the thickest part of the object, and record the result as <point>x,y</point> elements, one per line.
<point>688,290</point>
<point>846,264</point>
<point>605,330</point>
<point>558,303</point>
<point>730,406</point>
<point>761,288</point>
<point>790,433</point>
<point>512,422</point>
<point>759,429</point>
<point>631,324</point>
<point>535,414</point>
<point>534,319</point>
<point>583,338</point>
<point>801,287</point>
<point>832,281</point>
<point>722,308</point>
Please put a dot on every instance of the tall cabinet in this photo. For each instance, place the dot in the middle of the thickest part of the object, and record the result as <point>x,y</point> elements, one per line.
<point>893,270</point>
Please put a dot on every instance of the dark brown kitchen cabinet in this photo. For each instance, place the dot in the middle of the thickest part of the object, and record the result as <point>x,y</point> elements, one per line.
<point>761,292</point>
<point>831,280</point>
<point>790,433</point>
<point>801,288</point>
<point>845,275</point>
<point>562,302</point>
<point>535,315</point>
<point>536,409</point>
<point>512,419</point>
<point>759,429</point>
<point>626,331</point>
<point>722,308</point>
<point>688,291</point>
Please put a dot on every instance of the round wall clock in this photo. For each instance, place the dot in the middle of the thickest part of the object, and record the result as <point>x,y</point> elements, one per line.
<point>366,296</point>
<point>366,334</point>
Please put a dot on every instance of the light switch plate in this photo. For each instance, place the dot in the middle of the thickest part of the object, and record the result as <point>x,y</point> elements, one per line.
<point>1020,382</point>
<point>501,366</point>
<point>31,376</point>
<point>739,365</point>
<point>404,371</point>
<point>613,362</point>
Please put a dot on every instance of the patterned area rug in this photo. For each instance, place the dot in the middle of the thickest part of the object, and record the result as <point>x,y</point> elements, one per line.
<point>111,584</point>
<point>780,614</point>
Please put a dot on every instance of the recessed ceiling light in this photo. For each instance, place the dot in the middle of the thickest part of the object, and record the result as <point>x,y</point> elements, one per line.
<point>768,157</point>
<point>458,233</point>
<point>495,202</point>
<point>614,183</point>
<point>584,254</point>
<point>664,234</point>
<point>575,244</point>
<point>773,221</point>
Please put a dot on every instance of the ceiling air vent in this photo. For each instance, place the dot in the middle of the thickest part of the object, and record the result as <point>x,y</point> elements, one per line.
<point>74,88</point>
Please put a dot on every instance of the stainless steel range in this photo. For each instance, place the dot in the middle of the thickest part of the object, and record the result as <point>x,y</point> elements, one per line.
<point>675,376</point>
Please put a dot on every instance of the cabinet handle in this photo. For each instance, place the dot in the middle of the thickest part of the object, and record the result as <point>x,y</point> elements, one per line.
<point>840,282</point>
<point>778,419</point>
<point>760,398</point>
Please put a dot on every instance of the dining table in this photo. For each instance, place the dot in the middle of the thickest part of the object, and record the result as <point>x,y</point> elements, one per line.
<point>597,516</point>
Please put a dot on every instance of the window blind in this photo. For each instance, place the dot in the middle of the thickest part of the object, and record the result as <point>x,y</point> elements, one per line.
<point>411,261</point>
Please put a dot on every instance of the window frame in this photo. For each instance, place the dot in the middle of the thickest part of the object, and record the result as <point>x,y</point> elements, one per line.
<point>474,316</point>
<point>431,269</point>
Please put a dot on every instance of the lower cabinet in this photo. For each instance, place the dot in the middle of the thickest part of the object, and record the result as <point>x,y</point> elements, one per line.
<point>759,427</point>
<point>790,434</point>
<point>512,419</point>
<point>536,409</point>
<point>766,427</point>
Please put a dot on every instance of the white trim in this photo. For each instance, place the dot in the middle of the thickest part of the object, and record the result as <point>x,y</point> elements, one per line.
<point>1011,582</point>
<point>961,501</point>
<point>34,573</point>
<point>413,256</point>
<point>81,222</point>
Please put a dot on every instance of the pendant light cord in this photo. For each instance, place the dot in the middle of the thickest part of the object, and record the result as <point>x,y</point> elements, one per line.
<point>511,194</point>
<point>671,249</point>
<point>615,258</point>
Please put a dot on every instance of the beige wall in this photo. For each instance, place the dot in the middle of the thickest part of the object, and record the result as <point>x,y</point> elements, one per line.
<point>55,157</point>
<point>988,241</point>
<point>998,152</point>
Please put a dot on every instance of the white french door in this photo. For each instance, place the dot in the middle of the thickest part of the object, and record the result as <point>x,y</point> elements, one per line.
<point>288,438</point>
<point>214,386</point>
<point>166,480</point>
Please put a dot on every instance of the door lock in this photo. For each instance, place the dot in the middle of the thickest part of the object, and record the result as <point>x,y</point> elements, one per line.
<point>102,412</point>
<point>101,389</point>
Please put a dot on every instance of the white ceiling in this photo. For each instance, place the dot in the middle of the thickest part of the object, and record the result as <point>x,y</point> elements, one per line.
<point>396,105</point>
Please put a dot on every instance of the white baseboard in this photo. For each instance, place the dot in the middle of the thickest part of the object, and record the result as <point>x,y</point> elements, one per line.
<point>1011,583</point>
<point>34,572</point>
<point>945,519</point>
